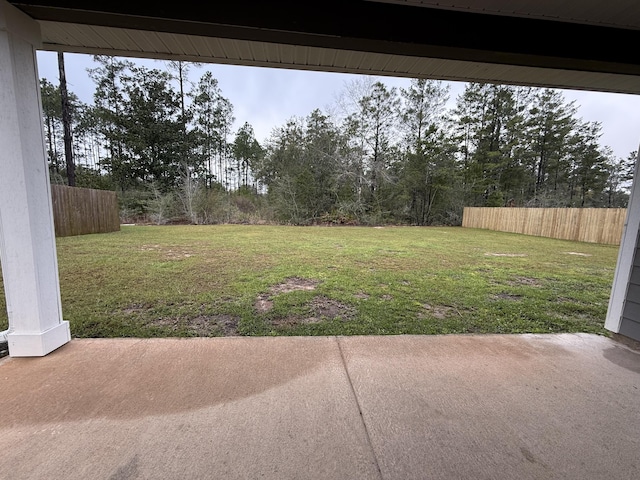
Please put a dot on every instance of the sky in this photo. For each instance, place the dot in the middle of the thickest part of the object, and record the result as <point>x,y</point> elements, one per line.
<point>268,97</point>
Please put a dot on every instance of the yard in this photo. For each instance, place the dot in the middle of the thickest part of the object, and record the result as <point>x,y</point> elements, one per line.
<point>278,280</point>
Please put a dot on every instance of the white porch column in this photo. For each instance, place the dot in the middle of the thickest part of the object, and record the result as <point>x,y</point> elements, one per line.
<point>27,238</point>
<point>626,255</point>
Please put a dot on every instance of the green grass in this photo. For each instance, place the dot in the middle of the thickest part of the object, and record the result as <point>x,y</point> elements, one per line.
<point>217,280</point>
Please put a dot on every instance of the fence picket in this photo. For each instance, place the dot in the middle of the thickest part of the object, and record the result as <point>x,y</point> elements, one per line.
<point>594,225</point>
<point>79,211</point>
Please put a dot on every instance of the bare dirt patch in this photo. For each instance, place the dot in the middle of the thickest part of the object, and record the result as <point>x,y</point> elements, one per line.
<point>579,254</point>
<point>294,284</point>
<point>228,324</point>
<point>264,301</point>
<point>361,295</point>
<point>319,310</point>
<point>202,326</point>
<point>438,311</point>
<point>263,304</point>
<point>326,308</point>
<point>387,297</point>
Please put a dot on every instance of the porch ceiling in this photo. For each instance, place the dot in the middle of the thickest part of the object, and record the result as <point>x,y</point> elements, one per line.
<point>580,44</point>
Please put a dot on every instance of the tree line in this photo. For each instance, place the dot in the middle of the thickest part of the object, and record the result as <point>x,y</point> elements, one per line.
<point>379,155</point>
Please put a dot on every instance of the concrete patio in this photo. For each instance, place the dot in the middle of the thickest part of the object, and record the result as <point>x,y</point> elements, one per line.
<point>392,407</point>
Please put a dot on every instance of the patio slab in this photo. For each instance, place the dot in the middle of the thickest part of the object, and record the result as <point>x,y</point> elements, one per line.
<point>499,407</point>
<point>391,407</point>
<point>225,408</point>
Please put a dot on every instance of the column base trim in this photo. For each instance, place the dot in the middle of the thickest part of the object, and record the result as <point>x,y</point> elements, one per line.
<point>38,344</point>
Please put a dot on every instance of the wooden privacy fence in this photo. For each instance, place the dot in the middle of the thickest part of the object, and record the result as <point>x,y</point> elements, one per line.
<point>78,211</point>
<point>596,225</point>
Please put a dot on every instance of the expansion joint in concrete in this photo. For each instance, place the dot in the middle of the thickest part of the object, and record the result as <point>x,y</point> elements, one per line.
<point>355,397</point>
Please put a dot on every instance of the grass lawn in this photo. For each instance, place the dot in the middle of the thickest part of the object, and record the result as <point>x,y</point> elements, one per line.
<point>277,280</point>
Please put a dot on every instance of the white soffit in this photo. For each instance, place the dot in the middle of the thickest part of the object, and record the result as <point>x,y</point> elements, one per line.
<point>91,39</point>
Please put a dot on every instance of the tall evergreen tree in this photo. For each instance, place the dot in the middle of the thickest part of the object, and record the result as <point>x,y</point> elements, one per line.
<point>188,153</point>
<point>488,119</point>
<point>247,153</point>
<point>373,126</point>
<point>66,123</point>
<point>153,127</point>
<point>213,118</point>
<point>54,126</point>
<point>52,120</point>
<point>589,170</point>
<point>109,99</point>
<point>547,131</point>
<point>427,170</point>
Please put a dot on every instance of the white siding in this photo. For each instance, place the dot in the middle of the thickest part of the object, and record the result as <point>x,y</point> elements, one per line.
<point>630,325</point>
